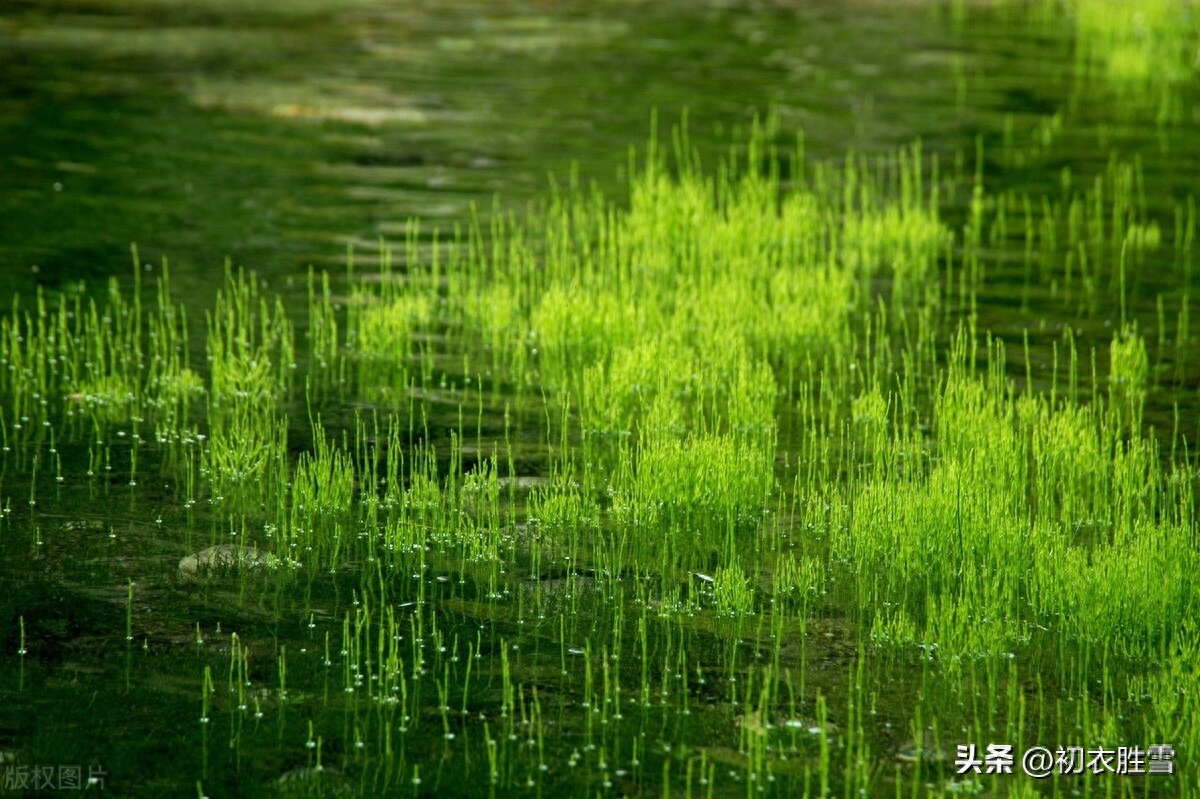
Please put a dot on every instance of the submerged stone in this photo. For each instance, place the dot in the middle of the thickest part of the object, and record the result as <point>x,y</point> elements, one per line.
<point>224,558</point>
<point>314,781</point>
<point>925,751</point>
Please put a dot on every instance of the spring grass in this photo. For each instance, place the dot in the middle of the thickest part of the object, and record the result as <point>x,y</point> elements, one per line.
<point>1140,55</point>
<point>790,498</point>
<point>682,430</point>
<point>1148,49</point>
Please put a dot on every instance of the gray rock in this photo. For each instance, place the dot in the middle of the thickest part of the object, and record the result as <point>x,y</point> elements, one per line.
<point>224,558</point>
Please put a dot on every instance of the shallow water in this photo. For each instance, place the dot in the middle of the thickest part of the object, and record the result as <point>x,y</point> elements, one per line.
<point>278,139</point>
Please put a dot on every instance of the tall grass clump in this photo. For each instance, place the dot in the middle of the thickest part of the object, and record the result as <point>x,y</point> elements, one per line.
<point>379,339</point>
<point>672,330</point>
<point>740,255</point>
<point>85,365</point>
<point>694,493</point>
<point>321,524</point>
<point>1099,241</point>
<point>251,357</point>
<point>75,355</point>
<point>1032,514</point>
<point>675,326</point>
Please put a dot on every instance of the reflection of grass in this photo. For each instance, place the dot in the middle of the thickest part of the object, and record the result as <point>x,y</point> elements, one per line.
<point>158,42</point>
<point>1139,44</point>
<point>247,11</point>
<point>1143,50</point>
<point>1137,54</point>
<point>315,99</point>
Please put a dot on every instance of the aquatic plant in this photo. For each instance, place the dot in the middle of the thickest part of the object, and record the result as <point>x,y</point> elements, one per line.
<point>674,495</point>
<point>1142,50</point>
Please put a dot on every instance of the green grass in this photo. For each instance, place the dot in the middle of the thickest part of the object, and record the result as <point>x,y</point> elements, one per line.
<point>791,505</point>
<point>1147,49</point>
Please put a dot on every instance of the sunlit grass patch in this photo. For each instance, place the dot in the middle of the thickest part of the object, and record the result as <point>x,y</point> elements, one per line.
<point>564,532</point>
<point>798,577</point>
<point>699,379</point>
<point>245,458</point>
<point>739,256</point>
<point>494,312</point>
<point>250,343</point>
<point>573,328</point>
<point>379,337</point>
<point>1138,45</point>
<point>1138,592</point>
<point>692,499</point>
<point>1031,514</point>
<point>732,591</point>
<point>1172,693</point>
